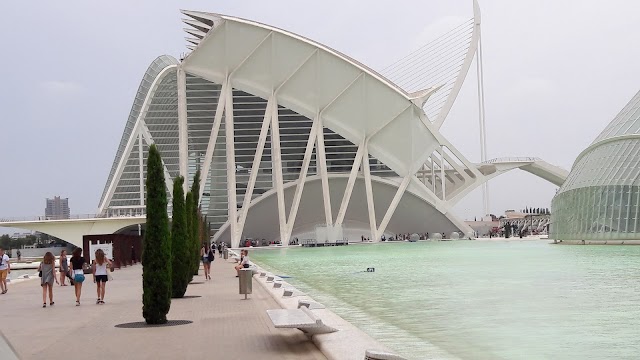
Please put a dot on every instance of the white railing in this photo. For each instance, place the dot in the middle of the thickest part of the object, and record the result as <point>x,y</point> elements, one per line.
<point>109,213</point>
<point>512,159</point>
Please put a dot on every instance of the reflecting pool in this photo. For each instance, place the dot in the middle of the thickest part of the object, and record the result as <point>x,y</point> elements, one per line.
<point>478,299</point>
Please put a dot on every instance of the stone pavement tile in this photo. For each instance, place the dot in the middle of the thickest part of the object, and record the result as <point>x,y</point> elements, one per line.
<point>225,326</point>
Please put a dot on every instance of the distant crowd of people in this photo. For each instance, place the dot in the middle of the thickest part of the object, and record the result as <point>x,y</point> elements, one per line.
<point>400,237</point>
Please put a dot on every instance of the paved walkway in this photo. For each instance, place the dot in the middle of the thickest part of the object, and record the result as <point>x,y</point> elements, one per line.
<point>224,325</point>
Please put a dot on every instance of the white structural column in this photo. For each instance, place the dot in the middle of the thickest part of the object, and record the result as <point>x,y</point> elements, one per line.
<point>255,167</point>
<point>392,207</point>
<point>276,157</point>
<point>301,180</point>
<point>215,130</point>
<point>481,118</point>
<point>231,162</point>
<point>369,189</point>
<point>350,183</point>
<point>322,161</point>
<point>442,178</point>
<point>183,127</point>
<point>433,173</point>
<point>141,168</point>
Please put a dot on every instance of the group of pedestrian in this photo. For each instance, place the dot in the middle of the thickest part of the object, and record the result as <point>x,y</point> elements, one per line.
<point>48,274</point>
<point>208,254</point>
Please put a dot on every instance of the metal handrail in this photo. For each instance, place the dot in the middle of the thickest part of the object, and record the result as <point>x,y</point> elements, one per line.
<point>110,213</point>
<point>512,159</point>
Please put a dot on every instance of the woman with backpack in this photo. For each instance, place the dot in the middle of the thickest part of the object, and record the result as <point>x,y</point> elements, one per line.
<point>207,258</point>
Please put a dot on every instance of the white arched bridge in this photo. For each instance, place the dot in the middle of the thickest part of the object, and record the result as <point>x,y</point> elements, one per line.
<point>72,230</point>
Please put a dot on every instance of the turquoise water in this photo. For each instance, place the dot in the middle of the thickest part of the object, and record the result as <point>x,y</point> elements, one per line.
<point>478,299</point>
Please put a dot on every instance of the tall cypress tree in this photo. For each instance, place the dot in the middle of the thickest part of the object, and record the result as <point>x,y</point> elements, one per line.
<point>195,222</point>
<point>156,250</point>
<point>179,242</point>
<point>189,240</point>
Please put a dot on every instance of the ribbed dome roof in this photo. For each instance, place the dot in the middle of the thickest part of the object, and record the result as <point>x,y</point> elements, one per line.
<point>626,122</point>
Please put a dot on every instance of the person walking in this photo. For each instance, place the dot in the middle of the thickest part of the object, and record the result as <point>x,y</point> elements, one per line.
<point>219,249</point>
<point>205,251</point>
<point>100,275</point>
<point>64,267</point>
<point>5,270</point>
<point>47,270</point>
<point>77,263</point>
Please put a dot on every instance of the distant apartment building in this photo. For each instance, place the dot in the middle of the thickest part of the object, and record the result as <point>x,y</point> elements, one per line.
<point>57,208</point>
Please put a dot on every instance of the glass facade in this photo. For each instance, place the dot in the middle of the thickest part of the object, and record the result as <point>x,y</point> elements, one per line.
<point>150,75</point>
<point>600,200</point>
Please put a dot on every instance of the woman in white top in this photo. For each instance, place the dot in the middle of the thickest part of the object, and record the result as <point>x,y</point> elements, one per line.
<point>100,276</point>
<point>244,261</point>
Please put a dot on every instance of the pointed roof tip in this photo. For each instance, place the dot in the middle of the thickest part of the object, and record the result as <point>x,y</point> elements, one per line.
<point>420,97</point>
<point>476,12</point>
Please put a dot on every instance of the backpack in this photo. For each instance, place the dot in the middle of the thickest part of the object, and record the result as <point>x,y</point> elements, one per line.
<point>210,256</point>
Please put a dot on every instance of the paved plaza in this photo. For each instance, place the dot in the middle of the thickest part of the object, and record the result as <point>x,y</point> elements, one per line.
<point>224,325</point>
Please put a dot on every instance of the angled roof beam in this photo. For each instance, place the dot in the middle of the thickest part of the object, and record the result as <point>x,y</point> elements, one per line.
<point>195,32</point>
<point>197,25</point>
<point>204,18</point>
<point>193,41</point>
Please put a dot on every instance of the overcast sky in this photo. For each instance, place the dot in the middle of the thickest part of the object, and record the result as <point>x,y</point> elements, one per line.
<point>556,73</point>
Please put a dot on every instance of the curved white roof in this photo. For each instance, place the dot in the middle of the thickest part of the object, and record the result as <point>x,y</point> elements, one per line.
<point>216,20</point>
<point>315,81</point>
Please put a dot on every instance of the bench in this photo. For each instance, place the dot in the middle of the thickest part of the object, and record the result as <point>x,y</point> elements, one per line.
<point>379,355</point>
<point>302,319</point>
<point>312,305</point>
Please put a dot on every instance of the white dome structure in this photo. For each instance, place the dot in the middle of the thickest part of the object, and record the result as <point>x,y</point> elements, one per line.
<point>600,199</point>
